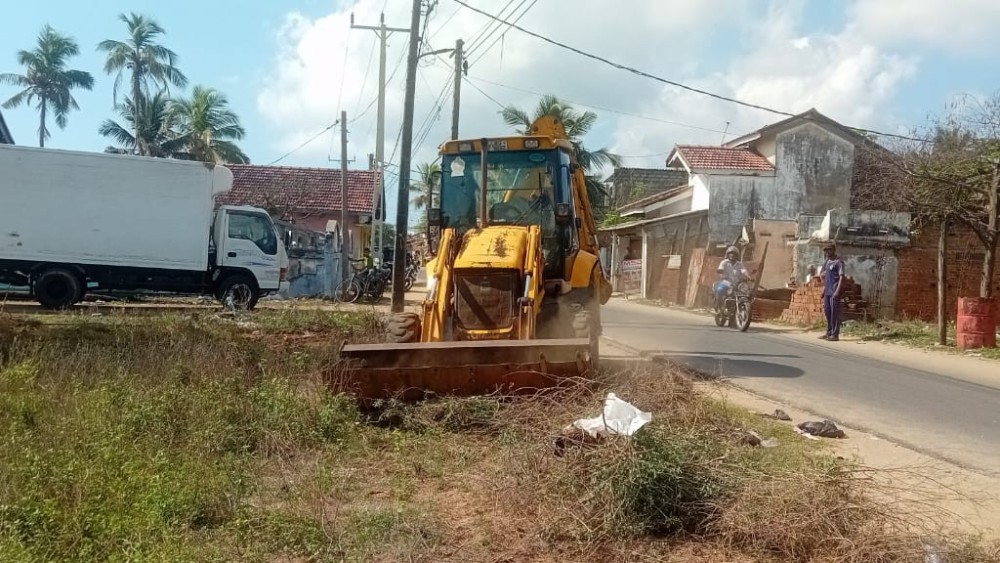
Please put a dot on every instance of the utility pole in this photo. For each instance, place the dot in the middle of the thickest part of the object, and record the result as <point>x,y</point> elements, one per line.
<point>403,202</point>
<point>383,33</point>
<point>459,69</point>
<point>345,266</point>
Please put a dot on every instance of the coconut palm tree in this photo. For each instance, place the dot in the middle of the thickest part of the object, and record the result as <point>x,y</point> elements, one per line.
<point>426,189</point>
<point>149,62</point>
<point>577,125</point>
<point>47,81</point>
<point>207,127</point>
<point>152,118</point>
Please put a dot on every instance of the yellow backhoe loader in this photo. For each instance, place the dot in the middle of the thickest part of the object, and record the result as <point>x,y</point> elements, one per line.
<point>515,289</point>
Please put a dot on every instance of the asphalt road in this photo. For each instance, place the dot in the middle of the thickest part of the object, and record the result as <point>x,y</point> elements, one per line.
<point>927,405</point>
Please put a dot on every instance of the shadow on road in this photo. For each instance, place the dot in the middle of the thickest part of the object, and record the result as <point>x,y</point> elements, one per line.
<point>706,366</point>
<point>698,327</point>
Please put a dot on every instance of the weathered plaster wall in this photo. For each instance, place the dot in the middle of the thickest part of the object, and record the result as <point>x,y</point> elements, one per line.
<point>738,199</point>
<point>778,264</point>
<point>814,170</point>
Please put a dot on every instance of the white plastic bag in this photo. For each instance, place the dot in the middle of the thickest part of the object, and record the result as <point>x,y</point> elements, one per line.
<point>619,418</point>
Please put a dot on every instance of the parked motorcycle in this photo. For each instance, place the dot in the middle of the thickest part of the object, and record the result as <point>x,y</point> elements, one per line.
<point>412,269</point>
<point>735,307</point>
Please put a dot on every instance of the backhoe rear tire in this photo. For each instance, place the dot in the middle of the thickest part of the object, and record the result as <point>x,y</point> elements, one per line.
<point>403,328</point>
<point>586,324</point>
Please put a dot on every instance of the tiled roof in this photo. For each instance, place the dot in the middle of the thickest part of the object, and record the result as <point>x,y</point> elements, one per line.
<point>308,190</point>
<point>651,199</point>
<point>723,158</point>
<point>651,178</point>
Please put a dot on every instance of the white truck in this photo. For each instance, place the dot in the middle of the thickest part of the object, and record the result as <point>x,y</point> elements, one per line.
<point>76,222</point>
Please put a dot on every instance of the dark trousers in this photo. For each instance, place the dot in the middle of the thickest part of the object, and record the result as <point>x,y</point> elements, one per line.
<point>831,306</point>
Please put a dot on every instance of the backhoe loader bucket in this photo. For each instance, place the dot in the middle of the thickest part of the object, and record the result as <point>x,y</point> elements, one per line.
<point>413,371</point>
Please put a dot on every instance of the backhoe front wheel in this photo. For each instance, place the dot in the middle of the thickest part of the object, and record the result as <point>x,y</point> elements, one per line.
<point>403,328</point>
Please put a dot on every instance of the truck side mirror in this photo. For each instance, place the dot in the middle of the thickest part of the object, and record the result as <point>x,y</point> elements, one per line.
<point>564,213</point>
<point>434,217</point>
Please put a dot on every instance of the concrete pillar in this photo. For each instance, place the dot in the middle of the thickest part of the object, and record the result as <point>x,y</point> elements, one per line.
<point>646,270</point>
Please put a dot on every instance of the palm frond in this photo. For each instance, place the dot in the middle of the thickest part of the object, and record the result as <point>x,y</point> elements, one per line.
<point>229,153</point>
<point>79,79</point>
<point>18,99</point>
<point>516,118</point>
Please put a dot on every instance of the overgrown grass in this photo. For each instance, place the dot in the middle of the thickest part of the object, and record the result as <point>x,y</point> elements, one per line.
<point>130,439</point>
<point>208,438</point>
<point>914,333</point>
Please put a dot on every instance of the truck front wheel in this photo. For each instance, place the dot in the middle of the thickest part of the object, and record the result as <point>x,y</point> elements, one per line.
<point>238,293</point>
<point>58,289</point>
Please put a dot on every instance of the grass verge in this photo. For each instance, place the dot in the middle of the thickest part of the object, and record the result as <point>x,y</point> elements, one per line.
<point>206,438</point>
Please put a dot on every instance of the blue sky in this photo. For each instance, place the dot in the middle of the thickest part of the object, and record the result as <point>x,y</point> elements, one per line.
<point>290,66</point>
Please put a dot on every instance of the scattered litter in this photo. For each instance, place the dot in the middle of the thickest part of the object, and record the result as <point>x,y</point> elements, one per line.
<point>619,418</point>
<point>804,434</point>
<point>246,325</point>
<point>749,438</point>
<point>769,443</point>
<point>825,429</point>
<point>778,414</point>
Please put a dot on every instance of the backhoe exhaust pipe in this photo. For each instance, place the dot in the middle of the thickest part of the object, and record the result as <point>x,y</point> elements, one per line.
<point>484,217</point>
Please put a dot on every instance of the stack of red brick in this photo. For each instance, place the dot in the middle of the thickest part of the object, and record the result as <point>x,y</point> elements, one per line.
<point>806,307</point>
<point>768,309</point>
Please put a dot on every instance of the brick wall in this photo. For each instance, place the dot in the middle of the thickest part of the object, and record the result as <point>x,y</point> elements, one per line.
<point>806,307</point>
<point>670,285</point>
<point>768,309</point>
<point>917,284</point>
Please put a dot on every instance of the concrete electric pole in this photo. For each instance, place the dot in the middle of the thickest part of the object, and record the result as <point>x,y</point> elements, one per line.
<point>403,202</point>
<point>459,70</point>
<point>345,266</point>
<point>379,201</point>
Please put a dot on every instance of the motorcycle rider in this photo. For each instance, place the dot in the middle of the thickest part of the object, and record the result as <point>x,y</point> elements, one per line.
<point>731,271</point>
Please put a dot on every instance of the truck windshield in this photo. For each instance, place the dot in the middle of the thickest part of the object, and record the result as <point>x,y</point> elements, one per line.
<point>522,189</point>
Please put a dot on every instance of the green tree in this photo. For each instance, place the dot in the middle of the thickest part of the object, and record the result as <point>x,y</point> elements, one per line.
<point>152,118</point>
<point>149,62</point>
<point>47,81</point>
<point>207,127</point>
<point>577,125</point>
<point>426,190</point>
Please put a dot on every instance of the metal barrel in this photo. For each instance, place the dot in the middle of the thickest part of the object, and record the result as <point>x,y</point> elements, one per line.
<point>413,371</point>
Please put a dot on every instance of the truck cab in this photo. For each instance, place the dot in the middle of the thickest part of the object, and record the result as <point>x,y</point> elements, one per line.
<point>246,246</point>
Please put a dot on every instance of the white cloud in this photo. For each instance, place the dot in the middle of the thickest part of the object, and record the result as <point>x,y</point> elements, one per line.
<point>841,75</point>
<point>844,74</point>
<point>963,26</point>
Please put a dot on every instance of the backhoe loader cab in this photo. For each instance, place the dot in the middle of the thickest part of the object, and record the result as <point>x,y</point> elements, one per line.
<point>524,188</point>
<point>515,288</point>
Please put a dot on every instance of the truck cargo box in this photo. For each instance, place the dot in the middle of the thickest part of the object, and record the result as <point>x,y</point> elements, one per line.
<point>94,208</point>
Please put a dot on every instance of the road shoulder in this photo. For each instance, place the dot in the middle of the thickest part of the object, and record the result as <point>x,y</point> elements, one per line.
<point>971,497</point>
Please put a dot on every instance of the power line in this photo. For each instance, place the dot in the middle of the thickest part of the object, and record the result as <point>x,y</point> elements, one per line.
<point>482,31</point>
<point>501,36</point>
<point>480,90</point>
<point>300,147</point>
<point>364,81</point>
<point>592,106</point>
<point>488,36</point>
<point>644,74</point>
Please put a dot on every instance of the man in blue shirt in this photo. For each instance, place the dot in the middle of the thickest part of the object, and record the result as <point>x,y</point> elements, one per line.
<point>833,278</point>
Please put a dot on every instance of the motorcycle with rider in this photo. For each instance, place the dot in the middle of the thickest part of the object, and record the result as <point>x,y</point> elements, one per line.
<point>733,292</point>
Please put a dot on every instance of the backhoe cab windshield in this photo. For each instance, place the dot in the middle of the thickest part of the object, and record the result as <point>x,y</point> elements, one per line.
<point>523,188</point>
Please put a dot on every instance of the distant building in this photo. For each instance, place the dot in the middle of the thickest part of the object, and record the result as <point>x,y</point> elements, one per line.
<point>309,197</point>
<point>5,136</point>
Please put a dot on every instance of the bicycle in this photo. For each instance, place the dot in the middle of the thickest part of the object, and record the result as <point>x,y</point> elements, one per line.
<point>369,283</point>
